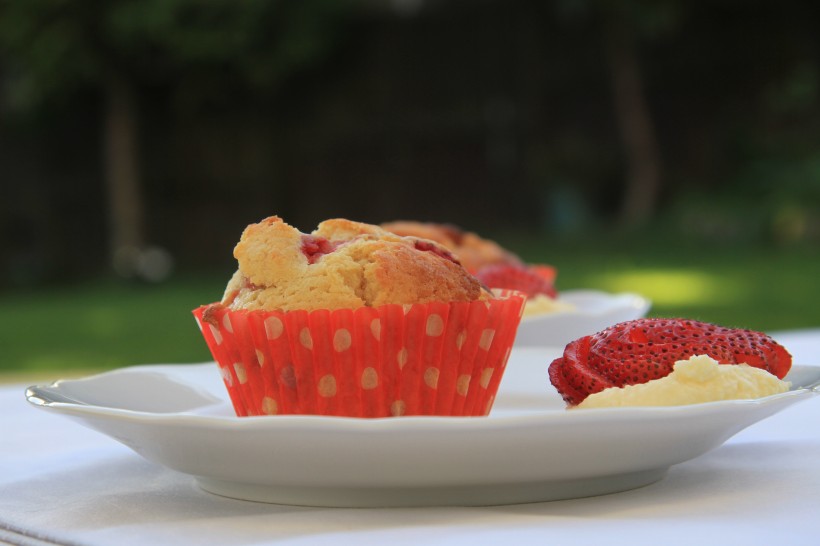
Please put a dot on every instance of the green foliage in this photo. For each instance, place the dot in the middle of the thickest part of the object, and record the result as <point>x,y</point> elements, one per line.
<point>46,49</point>
<point>104,325</point>
<point>53,47</point>
<point>739,283</point>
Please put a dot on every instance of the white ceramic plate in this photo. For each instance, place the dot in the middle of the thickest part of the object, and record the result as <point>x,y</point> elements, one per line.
<point>592,311</point>
<point>529,449</point>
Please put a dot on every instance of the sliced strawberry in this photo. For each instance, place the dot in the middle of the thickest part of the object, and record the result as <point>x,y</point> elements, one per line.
<point>531,280</point>
<point>645,349</point>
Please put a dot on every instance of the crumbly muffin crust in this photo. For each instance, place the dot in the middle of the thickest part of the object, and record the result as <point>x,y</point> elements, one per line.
<point>473,251</point>
<point>342,264</point>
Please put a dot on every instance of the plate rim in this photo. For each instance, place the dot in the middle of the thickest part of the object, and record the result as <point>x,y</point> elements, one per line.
<point>636,301</point>
<point>37,395</point>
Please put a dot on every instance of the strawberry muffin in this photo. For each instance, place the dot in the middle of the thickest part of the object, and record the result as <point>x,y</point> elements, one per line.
<point>353,320</point>
<point>655,361</point>
<point>473,251</point>
<point>491,264</point>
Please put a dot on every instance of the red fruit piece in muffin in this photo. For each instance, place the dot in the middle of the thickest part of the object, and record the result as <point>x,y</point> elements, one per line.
<point>315,247</point>
<point>532,280</point>
<point>641,350</point>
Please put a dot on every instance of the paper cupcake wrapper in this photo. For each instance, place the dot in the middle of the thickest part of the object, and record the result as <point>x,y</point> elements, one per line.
<point>393,360</point>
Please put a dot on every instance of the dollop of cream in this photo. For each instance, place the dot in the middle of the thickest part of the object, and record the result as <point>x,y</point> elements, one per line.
<point>693,381</point>
<point>541,304</point>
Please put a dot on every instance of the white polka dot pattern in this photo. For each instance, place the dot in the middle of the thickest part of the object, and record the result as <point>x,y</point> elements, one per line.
<point>486,375</point>
<point>462,337</point>
<point>486,339</point>
<point>401,357</point>
<point>306,339</point>
<point>431,377</point>
<point>342,340</point>
<point>327,386</point>
<point>300,362</point>
<point>398,408</point>
<point>435,325</point>
<point>463,384</point>
<point>241,372</point>
<point>370,379</point>
<point>274,328</point>
<point>226,376</point>
<point>269,406</point>
<point>216,333</point>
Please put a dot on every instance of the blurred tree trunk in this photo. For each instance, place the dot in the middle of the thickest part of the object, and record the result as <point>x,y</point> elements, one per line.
<point>643,181</point>
<point>122,177</point>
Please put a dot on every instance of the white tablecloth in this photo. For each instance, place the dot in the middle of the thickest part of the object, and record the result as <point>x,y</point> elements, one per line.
<point>61,483</point>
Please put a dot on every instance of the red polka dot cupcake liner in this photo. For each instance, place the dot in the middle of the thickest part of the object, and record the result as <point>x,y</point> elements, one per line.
<point>393,360</point>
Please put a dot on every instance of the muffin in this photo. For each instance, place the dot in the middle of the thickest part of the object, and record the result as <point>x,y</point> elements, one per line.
<point>352,320</point>
<point>473,252</point>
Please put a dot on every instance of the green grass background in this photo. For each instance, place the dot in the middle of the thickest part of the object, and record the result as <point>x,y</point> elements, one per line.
<point>110,323</point>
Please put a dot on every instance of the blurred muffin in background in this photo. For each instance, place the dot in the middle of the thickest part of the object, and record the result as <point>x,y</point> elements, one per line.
<point>473,251</point>
<point>493,265</point>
